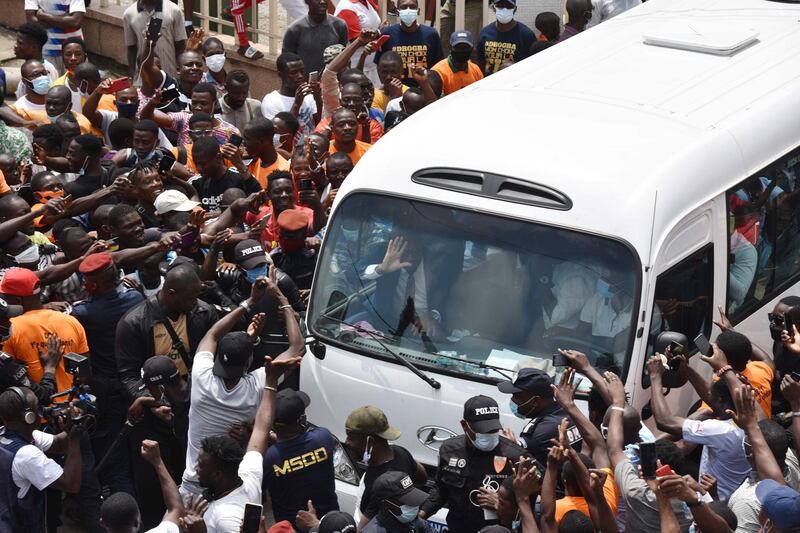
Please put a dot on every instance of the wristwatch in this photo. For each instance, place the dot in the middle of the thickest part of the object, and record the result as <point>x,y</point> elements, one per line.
<point>379,271</point>
<point>697,503</point>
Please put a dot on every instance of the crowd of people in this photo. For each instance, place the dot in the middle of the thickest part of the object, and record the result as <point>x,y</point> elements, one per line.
<point>160,234</point>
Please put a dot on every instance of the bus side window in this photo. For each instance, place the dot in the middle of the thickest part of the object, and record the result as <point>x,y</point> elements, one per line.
<point>683,299</point>
<point>764,235</point>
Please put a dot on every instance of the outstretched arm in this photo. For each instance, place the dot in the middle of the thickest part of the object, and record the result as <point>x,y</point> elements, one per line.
<point>565,396</point>
<point>666,421</point>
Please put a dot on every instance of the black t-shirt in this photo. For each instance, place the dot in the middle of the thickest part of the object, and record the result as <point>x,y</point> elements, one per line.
<point>210,190</point>
<point>402,462</point>
<point>86,185</point>
<point>298,470</point>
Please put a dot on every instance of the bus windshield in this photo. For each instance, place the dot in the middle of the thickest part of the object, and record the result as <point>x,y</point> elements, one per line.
<point>461,291</point>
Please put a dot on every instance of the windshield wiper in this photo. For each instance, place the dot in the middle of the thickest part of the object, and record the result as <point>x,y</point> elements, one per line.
<point>399,358</point>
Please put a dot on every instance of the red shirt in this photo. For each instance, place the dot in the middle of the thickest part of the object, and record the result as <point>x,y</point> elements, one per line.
<point>269,237</point>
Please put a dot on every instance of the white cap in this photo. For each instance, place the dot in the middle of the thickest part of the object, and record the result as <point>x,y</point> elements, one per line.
<point>172,200</point>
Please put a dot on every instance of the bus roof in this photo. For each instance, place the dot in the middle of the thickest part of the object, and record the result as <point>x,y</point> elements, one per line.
<point>612,122</point>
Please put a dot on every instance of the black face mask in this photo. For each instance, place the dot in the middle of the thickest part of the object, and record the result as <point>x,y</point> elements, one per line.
<point>460,56</point>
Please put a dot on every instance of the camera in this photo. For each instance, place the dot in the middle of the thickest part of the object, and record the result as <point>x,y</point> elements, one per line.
<point>77,365</point>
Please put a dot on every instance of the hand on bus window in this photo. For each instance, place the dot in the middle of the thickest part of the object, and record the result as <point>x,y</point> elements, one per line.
<point>723,323</point>
<point>393,260</point>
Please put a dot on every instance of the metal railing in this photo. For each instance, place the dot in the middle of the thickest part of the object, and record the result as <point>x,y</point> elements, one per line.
<point>268,20</point>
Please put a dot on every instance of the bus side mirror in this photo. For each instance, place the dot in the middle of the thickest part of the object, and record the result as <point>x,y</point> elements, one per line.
<point>318,349</point>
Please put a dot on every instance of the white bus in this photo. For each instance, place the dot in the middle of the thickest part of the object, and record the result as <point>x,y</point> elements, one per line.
<point>622,166</point>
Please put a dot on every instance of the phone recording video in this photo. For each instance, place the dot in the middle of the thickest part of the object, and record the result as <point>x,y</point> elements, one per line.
<point>647,454</point>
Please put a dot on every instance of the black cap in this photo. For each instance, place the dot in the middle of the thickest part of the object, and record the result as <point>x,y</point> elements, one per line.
<point>398,487</point>
<point>531,380</point>
<point>497,528</point>
<point>233,354</point>
<point>250,254</point>
<point>337,522</point>
<point>9,311</point>
<point>290,405</point>
<point>483,414</point>
<point>158,370</point>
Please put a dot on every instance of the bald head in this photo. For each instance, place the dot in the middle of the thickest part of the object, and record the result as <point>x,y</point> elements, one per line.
<point>58,101</point>
<point>87,71</point>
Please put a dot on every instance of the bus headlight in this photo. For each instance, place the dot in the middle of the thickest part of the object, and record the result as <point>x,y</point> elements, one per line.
<point>343,468</point>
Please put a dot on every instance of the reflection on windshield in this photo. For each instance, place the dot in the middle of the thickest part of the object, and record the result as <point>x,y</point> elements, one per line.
<point>470,292</point>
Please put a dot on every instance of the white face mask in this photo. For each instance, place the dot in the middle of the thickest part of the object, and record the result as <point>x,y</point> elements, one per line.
<point>504,15</point>
<point>28,256</point>
<point>367,453</point>
<point>216,62</point>
<point>408,16</point>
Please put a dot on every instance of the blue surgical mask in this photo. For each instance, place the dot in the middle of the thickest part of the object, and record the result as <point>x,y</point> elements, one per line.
<point>408,16</point>
<point>127,110</point>
<point>604,288</point>
<point>149,156</point>
<point>515,408</point>
<point>40,84</point>
<point>254,273</point>
<point>504,15</point>
<point>82,171</point>
<point>276,139</point>
<point>486,442</point>
<point>53,119</point>
<point>408,513</point>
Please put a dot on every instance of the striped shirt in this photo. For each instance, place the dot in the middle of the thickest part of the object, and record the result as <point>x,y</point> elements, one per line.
<point>57,36</point>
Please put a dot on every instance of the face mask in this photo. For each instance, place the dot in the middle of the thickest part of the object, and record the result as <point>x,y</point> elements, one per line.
<point>149,156</point>
<point>276,139</point>
<point>486,442</point>
<point>515,408</point>
<point>127,110</point>
<point>604,289</point>
<point>53,119</point>
<point>254,273</point>
<point>82,171</point>
<point>460,56</point>
<point>28,256</point>
<point>408,16</point>
<point>40,85</point>
<point>44,196</point>
<point>408,513</point>
<point>504,15</point>
<point>215,62</point>
<point>83,89</point>
<point>291,245</point>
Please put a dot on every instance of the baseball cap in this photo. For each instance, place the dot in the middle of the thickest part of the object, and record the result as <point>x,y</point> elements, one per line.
<point>95,263</point>
<point>19,282</point>
<point>330,53</point>
<point>292,220</point>
<point>461,37</point>
<point>233,354</point>
<point>398,487</point>
<point>483,414</point>
<point>337,522</point>
<point>370,420</point>
<point>781,502</point>
<point>9,311</point>
<point>290,405</point>
<point>250,254</point>
<point>512,2</point>
<point>158,370</point>
<point>172,200</point>
<point>532,380</point>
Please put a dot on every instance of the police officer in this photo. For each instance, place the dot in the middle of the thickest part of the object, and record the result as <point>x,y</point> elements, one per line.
<point>532,397</point>
<point>399,506</point>
<point>471,465</point>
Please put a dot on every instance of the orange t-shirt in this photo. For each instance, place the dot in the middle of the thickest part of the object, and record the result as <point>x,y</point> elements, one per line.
<point>375,129</point>
<point>4,188</point>
<point>107,102</point>
<point>578,503</point>
<point>760,375</point>
<point>356,154</point>
<point>453,81</point>
<point>29,331</point>
<point>189,161</point>
<point>261,173</point>
<point>40,117</point>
